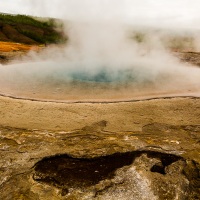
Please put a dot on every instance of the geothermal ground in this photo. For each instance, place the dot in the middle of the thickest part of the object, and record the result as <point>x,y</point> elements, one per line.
<point>129,150</point>
<point>98,144</point>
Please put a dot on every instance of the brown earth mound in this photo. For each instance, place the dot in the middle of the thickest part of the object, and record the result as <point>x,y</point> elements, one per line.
<point>13,35</point>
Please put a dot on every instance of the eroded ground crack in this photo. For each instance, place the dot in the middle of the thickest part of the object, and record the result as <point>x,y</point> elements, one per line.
<point>64,170</point>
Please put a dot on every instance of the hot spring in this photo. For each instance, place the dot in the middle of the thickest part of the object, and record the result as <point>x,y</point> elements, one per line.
<point>64,82</point>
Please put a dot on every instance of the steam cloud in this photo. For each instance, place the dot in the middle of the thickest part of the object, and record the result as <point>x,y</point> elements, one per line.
<point>113,44</point>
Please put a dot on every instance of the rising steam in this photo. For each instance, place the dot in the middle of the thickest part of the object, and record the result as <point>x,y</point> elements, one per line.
<point>108,56</point>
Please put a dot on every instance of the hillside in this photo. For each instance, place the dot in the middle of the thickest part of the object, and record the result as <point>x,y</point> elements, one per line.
<point>28,30</point>
<point>20,34</point>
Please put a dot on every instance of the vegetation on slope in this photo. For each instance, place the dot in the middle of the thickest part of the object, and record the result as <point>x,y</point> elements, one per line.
<point>29,30</point>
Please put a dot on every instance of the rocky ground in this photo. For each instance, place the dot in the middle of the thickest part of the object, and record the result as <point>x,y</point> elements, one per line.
<point>132,150</point>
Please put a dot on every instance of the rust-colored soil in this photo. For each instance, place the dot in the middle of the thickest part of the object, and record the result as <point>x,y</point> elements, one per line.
<point>11,51</point>
<point>11,46</point>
